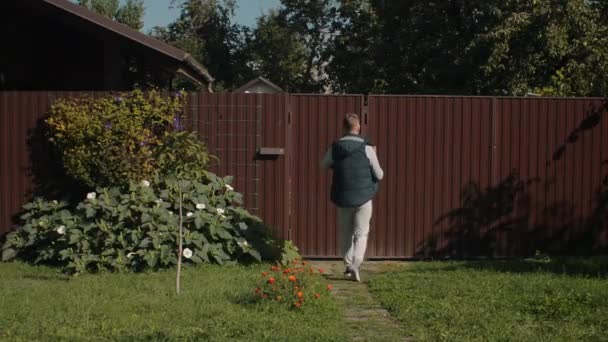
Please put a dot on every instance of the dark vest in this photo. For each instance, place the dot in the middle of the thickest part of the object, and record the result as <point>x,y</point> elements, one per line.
<point>353,182</point>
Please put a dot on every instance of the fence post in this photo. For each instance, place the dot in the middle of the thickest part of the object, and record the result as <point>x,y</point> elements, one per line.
<point>494,143</point>
<point>288,159</point>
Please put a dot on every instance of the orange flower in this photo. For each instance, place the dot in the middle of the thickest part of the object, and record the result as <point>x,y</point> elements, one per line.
<point>330,287</point>
<point>321,271</point>
<point>317,295</point>
<point>287,270</point>
<point>274,268</point>
<point>304,263</point>
<point>297,304</point>
<point>292,278</point>
<point>271,280</point>
<point>264,274</point>
<point>300,294</point>
<point>257,289</point>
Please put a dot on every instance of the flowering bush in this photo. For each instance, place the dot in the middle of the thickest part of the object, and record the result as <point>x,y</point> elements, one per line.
<point>111,141</point>
<point>136,229</point>
<point>294,285</point>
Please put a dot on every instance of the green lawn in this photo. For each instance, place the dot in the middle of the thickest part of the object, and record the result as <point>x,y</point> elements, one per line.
<point>561,300</point>
<point>38,304</point>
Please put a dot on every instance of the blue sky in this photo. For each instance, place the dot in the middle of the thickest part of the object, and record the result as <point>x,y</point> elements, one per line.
<point>161,13</point>
<point>158,12</point>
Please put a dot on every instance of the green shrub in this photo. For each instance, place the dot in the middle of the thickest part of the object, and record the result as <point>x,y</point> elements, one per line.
<point>111,141</point>
<point>137,229</point>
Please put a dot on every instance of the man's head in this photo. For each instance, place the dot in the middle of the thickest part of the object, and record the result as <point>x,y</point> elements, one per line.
<point>351,124</point>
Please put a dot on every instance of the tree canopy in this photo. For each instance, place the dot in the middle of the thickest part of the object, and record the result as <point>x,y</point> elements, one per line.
<point>130,14</point>
<point>491,47</point>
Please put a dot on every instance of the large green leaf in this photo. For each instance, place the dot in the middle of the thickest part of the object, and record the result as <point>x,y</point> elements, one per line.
<point>255,254</point>
<point>165,252</point>
<point>89,211</point>
<point>145,243</point>
<point>8,254</point>
<point>196,259</point>
<point>204,253</point>
<point>145,218</point>
<point>152,258</point>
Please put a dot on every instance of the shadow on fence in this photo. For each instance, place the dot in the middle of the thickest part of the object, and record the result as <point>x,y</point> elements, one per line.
<point>504,212</point>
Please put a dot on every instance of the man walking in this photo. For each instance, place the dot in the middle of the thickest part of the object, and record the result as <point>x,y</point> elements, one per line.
<point>356,172</point>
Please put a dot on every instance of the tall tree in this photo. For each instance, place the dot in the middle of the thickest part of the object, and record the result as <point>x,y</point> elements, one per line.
<point>206,30</point>
<point>470,47</point>
<point>130,14</point>
<point>312,22</point>
<point>275,52</point>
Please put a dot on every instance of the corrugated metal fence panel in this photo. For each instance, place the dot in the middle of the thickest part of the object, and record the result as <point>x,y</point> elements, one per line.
<point>274,196</point>
<point>20,115</point>
<point>432,147</point>
<point>429,147</point>
<point>529,132</point>
<point>316,121</point>
<point>234,126</point>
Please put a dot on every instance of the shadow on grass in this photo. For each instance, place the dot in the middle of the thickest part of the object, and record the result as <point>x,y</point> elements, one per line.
<point>594,267</point>
<point>247,300</point>
<point>40,277</point>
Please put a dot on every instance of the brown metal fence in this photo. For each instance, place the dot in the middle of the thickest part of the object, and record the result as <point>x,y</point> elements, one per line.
<point>431,147</point>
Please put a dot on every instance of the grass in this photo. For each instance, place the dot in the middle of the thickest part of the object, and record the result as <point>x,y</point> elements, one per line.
<point>39,304</point>
<point>524,300</point>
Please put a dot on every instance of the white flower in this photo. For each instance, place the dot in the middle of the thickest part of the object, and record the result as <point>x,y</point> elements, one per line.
<point>170,213</point>
<point>189,214</point>
<point>130,255</point>
<point>223,216</point>
<point>187,253</point>
<point>55,202</point>
<point>200,206</point>
<point>145,183</point>
<point>243,225</point>
<point>91,195</point>
<point>242,242</point>
<point>60,230</point>
<point>229,187</point>
<point>220,211</point>
<point>159,201</point>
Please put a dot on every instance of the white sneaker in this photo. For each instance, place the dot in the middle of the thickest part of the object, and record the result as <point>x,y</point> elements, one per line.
<point>356,276</point>
<point>352,274</point>
<point>348,273</point>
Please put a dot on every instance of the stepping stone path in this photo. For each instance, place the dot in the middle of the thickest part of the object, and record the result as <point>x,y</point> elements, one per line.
<point>365,319</point>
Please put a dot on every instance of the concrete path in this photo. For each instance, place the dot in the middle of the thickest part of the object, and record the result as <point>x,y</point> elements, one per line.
<point>366,320</point>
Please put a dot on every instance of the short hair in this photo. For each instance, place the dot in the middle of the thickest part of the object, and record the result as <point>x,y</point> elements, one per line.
<point>351,120</point>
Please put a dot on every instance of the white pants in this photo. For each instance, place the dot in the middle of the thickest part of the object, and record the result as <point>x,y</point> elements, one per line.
<point>354,229</point>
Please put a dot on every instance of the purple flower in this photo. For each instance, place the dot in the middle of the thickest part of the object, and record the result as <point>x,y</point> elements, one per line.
<point>118,99</point>
<point>108,125</point>
<point>143,143</point>
<point>177,124</point>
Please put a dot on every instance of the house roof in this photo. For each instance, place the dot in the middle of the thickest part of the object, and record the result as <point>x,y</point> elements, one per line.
<point>256,80</point>
<point>193,68</point>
